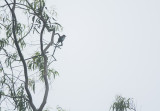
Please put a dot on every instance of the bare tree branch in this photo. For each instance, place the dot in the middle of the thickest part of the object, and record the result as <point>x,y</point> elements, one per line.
<point>51,42</point>
<point>14,26</point>
<point>45,71</point>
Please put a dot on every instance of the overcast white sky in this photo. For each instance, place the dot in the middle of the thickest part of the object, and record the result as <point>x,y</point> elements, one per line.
<point>112,47</point>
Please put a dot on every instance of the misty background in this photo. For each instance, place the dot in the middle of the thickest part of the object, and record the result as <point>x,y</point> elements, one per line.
<point>112,48</point>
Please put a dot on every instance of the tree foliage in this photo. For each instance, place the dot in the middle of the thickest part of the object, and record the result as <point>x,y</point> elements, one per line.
<point>24,61</point>
<point>123,104</point>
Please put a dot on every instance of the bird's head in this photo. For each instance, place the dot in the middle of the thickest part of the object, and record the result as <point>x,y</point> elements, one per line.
<point>64,36</point>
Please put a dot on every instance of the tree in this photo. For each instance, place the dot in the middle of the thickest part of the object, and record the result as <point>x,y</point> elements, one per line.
<point>21,23</point>
<point>123,104</point>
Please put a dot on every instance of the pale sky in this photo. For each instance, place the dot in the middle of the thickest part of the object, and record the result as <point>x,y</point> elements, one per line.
<point>112,47</point>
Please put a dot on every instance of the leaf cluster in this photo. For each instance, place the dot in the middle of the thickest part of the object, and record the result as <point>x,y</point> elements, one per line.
<point>122,104</point>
